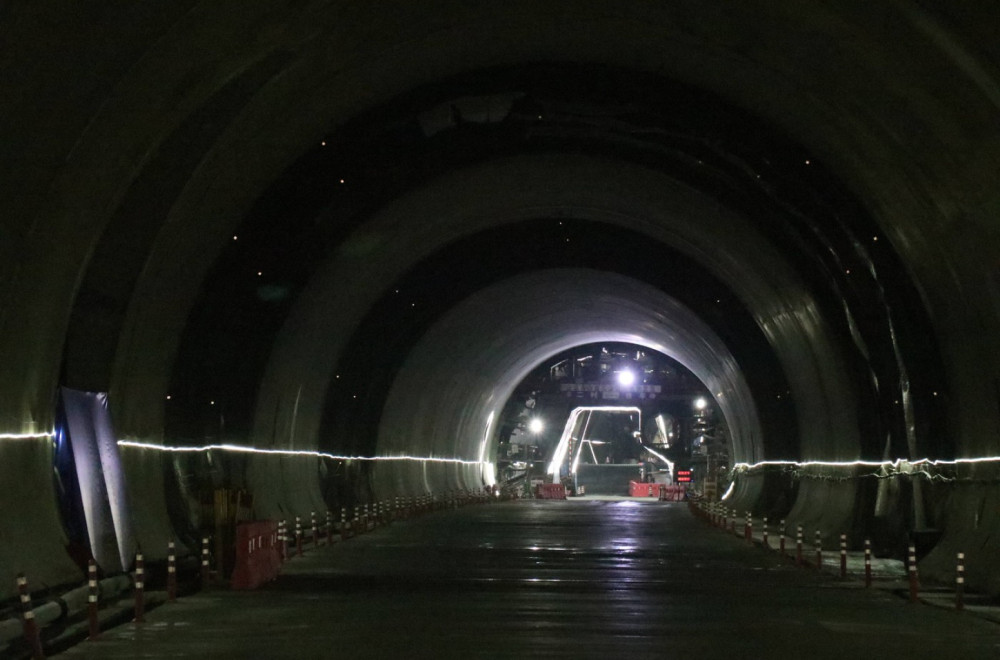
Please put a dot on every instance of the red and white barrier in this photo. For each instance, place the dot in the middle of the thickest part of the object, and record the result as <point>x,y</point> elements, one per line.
<point>819,551</point>
<point>258,558</point>
<point>960,581</point>
<point>93,625</point>
<point>868,563</point>
<point>798,545</point>
<point>171,572</point>
<point>550,492</point>
<point>298,535</point>
<point>28,617</point>
<point>140,588</point>
<point>205,576</point>
<point>843,556</point>
<point>282,540</point>
<point>912,566</point>
<point>315,528</point>
<point>781,537</point>
<point>763,532</point>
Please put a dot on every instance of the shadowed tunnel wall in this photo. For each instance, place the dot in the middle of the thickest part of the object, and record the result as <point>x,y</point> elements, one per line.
<point>277,216</point>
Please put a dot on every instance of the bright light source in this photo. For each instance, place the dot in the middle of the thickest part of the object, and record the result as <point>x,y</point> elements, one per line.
<point>535,425</point>
<point>700,403</point>
<point>626,377</point>
<point>289,452</point>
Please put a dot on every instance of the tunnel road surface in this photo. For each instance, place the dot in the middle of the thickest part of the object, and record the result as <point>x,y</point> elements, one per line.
<point>545,579</point>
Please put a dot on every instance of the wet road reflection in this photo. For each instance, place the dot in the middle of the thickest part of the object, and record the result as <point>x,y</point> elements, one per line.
<point>580,579</point>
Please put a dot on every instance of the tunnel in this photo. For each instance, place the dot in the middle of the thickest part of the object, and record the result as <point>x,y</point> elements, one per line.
<point>329,239</point>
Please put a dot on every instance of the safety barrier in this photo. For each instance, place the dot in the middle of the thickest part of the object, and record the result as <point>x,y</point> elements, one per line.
<point>140,588</point>
<point>171,572</point>
<point>31,634</point>
<point>93,626</point>
<point>672,492</point>
<point>643,489</point>
<point>550,492</point>
<point>258,559</point>
<point>719,516</point>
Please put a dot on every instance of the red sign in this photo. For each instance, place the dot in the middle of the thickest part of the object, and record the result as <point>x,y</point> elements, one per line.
<point>683,476</point>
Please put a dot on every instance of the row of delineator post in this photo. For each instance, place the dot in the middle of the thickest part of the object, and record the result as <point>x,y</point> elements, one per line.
<point>365,518</point>
<point>32,633</point>
<point>726,518</point>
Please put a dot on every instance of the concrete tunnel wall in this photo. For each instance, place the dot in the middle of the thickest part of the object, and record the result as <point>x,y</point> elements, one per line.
<point>147,135</point>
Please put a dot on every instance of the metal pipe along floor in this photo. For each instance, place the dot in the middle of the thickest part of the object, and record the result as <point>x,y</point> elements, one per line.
<point>549,579</point>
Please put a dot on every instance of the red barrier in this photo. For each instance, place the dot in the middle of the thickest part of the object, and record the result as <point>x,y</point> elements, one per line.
<point>550,492</point>
<point>257,556</point>
<point>641,489</point>
<point>672,493</point>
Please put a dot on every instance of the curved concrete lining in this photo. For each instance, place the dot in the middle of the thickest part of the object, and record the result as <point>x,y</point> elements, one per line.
<point>522,188</point>
<point>465,368</point>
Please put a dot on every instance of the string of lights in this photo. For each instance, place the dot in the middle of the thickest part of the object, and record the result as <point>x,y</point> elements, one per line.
<point>290,452</point>
<point>27,436</point>
<point>931,469</point>
<point>895,463</point>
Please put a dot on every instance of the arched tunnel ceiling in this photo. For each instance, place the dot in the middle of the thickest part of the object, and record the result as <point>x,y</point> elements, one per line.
<point>500,193</point>
<point>239,115</point>
<point>244,104</point>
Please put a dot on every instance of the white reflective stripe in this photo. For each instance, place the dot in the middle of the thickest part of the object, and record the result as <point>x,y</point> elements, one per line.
<point>25,598</point>
<point>21,581</point>
<point>960,580</point>
<point>171,569</point>
<point>92,584</point>
<point>29,615</point>
<point>138,585</point>
<point>91,599</point>
<point>204,562</point>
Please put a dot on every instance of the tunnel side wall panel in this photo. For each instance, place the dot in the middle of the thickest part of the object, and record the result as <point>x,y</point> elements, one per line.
<point>31,535</point>
<point>151,523</point>
<point>973,528</point>
<point>824,505</point>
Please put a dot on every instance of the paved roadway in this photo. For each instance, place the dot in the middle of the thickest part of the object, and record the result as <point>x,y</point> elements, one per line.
<point>545,579</point>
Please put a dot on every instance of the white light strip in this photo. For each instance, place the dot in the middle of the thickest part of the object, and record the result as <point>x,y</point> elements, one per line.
<point>27,436</point>
<point>670,463</point>
<point>292,452</point>
<point>895,464</point>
